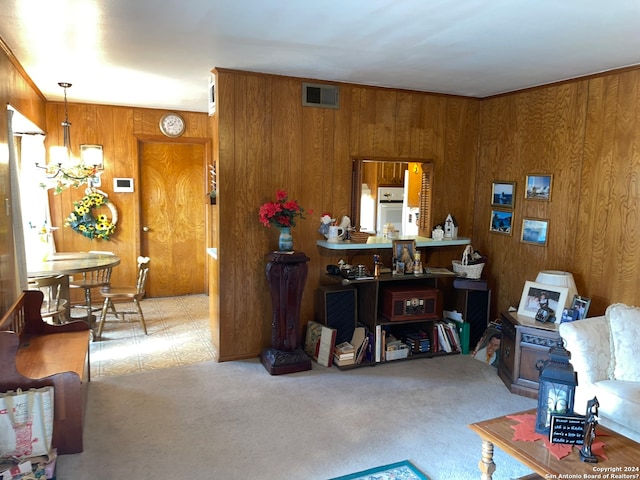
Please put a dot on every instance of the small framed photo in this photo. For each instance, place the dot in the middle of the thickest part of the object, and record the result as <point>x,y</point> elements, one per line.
<point>501,222</point>
<point>536,295</point>
<point>404,251</point>
<point>581,306</point>
<point>503,194</point>
<point>535,231</point>
<point>538,187</point>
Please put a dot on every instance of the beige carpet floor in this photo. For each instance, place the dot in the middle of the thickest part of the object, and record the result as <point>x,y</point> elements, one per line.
<point>178,334</point>
<point>234,421</point>
<point>159,407</point>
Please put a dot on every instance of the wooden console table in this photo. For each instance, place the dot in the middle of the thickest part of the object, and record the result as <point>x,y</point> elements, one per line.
<point>621,452</point>
<point>287,274</point>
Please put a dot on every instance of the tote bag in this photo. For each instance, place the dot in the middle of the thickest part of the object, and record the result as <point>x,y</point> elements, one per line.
<point>26,423</point>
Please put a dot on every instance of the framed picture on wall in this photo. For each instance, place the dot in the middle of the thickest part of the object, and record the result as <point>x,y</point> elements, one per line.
<point>538,187</point>
<point>503,194</point>
<point>536,295</point>
<point>535,231</point>
<point>501,222</point>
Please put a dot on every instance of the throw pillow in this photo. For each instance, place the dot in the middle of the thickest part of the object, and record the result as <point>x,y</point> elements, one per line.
<point>624,325</point>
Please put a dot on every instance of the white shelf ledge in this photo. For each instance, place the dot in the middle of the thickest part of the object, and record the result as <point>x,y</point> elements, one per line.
<point>381,242</point>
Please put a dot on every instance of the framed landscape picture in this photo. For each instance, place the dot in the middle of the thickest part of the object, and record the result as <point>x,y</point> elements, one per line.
<point>503,194</point>
<point>536,295</point>
<point>538,187</point>
<point>535,231</point>
<point>501,222</point>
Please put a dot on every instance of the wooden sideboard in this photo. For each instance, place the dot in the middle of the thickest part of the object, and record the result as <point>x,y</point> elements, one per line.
<point>524,348</point>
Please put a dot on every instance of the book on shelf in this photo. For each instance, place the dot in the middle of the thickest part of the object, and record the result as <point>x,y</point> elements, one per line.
<point>448,337</point>
<point>344,350</point>
<point>361,353</point>
<point>418,342</point>
<point>320,342</point>
<point>341,362</point>
<point>443,339</point>
<point>314,331</point>
<point>435,348</point>
<point>324,348</point>
<point>453,328</point>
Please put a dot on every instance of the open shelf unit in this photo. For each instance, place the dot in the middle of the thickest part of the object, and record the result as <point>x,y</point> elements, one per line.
<point>370,293</point>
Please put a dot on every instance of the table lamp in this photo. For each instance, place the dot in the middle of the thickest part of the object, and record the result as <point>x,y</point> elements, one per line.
<point>559,279</point>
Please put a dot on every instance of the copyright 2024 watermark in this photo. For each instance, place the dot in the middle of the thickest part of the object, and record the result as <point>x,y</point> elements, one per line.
<point>608,473</point>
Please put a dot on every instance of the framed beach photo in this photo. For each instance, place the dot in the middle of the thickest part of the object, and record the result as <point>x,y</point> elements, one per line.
<point>503,194</point>
<point>501,222</point>
<point>535,231</point>
<point>404,251</point>
<point>538,187</point>
<point>536,295</point>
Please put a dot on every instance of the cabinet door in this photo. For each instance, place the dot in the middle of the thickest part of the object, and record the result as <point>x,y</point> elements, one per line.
<point>532,356</point>
<point>391,174</point>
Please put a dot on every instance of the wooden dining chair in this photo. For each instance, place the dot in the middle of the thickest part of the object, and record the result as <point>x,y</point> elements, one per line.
<point>54,307</point>
<point>134,293</point>
<point>90,280</point>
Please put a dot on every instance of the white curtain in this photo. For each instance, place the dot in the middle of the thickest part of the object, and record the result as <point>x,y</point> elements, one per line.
<point>36,215</point>
<point>16,215</point>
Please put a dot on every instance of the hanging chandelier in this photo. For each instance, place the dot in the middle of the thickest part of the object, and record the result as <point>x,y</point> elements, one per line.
<point>64,169</point>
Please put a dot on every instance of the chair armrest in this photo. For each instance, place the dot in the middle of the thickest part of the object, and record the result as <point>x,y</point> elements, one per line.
<point>589,343</point>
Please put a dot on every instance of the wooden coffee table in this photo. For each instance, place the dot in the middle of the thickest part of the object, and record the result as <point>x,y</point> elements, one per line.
<point>623,453</point>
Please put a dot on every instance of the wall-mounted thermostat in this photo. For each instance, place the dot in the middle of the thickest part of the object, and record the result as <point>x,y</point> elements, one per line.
<point>123,184</point>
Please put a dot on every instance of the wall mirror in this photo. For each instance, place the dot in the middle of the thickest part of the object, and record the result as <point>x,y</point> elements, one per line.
<point>393,192</point>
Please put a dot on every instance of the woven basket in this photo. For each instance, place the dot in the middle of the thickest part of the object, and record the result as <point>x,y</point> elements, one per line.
<point>463,269</point>
<point>359,237</point>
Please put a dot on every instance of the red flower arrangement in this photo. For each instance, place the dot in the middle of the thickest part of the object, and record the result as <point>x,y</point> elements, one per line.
<point>282,212</point>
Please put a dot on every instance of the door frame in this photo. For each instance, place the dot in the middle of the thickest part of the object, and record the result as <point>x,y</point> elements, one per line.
<point>206,161</point>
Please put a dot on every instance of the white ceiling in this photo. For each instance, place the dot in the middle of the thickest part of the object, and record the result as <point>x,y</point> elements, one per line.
<point>159,53</point>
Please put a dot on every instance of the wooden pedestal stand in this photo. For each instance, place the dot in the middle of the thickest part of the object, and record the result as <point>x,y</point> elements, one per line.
<point>287,274</point>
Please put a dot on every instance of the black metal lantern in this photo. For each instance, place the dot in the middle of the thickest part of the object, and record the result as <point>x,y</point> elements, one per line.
<point>557,388</point>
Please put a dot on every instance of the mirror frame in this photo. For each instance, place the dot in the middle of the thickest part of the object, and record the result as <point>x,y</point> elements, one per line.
<point>425,225</point>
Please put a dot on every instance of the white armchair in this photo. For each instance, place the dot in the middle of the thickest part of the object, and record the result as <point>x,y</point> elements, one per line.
<point>604,352</point>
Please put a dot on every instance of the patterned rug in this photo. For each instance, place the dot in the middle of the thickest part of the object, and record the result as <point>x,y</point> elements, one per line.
<point>404,470</point>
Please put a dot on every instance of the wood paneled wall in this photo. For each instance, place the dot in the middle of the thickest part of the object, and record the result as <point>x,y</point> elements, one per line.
<point>586,133</point>
<point>268,141</point>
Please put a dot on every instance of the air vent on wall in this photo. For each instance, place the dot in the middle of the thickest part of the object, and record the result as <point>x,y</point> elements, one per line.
<point>320,95</point>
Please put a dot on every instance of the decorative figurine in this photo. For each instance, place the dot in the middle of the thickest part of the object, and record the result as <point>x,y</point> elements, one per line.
<point>586,455</point>
<point>325,222</point>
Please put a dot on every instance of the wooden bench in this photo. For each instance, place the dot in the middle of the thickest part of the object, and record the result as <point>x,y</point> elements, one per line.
<point>35,354</point>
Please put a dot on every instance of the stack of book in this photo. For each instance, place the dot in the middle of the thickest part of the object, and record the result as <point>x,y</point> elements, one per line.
<point>448,338</point>
<point>344,354</point>
<point>418,342</point>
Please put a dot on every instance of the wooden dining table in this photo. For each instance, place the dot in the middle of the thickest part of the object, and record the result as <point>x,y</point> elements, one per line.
<point>69,264</point>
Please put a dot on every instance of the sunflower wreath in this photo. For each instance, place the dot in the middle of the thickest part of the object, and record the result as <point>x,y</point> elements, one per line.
<point>82,220</point>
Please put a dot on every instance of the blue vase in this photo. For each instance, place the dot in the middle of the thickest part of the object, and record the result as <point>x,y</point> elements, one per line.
<point>285,241</point>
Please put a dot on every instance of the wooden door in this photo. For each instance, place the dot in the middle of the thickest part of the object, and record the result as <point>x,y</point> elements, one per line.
<point>172,177</point>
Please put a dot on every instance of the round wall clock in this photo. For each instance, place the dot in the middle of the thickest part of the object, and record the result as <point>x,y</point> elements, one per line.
<point>172,125</point>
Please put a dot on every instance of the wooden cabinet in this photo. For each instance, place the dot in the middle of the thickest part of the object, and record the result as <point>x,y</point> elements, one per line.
<point>524,348</point>
<point>391,174</point>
